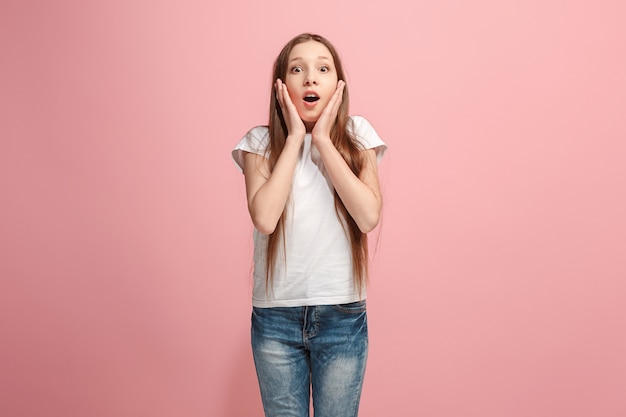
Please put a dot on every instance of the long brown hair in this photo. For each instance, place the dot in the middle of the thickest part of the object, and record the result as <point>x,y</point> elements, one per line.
<point>344,140</point>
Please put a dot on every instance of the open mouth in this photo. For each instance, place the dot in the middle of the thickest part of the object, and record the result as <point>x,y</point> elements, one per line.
<point>310,98</point>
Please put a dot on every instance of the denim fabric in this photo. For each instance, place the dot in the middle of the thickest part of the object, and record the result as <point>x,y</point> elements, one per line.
<point>318,348</point>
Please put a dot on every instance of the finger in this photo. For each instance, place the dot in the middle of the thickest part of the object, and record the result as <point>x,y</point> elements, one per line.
<point>279,93</point>
<point>335,101</point>
<point>338,96</point>
<point>286,97</point>
<point>287,100</point>
<point>277,90</point>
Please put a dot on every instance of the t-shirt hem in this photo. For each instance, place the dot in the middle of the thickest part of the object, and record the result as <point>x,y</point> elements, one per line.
<point>307,301</point>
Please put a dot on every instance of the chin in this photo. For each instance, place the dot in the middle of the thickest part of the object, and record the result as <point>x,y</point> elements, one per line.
<point>309,119</point>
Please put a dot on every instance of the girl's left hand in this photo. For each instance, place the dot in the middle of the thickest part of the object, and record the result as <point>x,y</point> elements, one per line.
<point>327,118</point>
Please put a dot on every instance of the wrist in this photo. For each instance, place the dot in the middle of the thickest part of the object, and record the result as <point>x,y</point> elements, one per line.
<point>297,138</point>
<point>320,139</point>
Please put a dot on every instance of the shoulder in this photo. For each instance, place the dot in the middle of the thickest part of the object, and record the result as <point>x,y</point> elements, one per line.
<point>367,136</point>
<point>359,121</point>
<point>258,135</point>
<point>254,141</point>
<point>362,129</point>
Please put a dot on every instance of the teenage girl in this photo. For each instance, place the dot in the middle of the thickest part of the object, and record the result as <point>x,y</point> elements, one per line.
<point>313,195</point>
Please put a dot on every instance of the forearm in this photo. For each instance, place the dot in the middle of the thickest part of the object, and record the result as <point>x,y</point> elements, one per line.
<point>266,202</point>
<point>360,195</point>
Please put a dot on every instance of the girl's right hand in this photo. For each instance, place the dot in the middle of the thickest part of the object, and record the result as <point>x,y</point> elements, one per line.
<point>295,125</point>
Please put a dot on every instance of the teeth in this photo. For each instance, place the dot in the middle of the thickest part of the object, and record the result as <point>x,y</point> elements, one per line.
<point>311,98</point>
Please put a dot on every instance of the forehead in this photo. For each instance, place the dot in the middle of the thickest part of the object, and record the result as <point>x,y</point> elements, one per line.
<point>310,50</point>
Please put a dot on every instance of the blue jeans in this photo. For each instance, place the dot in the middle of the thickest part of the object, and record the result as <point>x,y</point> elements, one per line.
<point>323,348</point>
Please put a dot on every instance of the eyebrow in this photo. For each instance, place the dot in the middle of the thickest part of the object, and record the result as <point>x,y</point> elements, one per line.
<point>299,58</point>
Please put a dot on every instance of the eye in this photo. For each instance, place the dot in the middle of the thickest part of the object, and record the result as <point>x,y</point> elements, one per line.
<point>295,70</point>
<point>324,68</point>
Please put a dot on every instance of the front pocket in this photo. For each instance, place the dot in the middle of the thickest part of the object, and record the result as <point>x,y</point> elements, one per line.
<point>351,308</point>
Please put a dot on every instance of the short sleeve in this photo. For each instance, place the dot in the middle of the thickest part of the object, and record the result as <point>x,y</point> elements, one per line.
<point>255,141</point>
<point>368,137</point>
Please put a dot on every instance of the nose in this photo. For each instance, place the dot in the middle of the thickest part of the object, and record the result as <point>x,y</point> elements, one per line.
<point>310,79</point>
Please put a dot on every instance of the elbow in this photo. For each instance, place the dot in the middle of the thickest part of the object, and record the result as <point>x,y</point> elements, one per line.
<point>264,228</point>
<point>366,228</point>
<point>263,224</point>
<point>368,215</point>
<point>369,223</point>
<point>265,219</point>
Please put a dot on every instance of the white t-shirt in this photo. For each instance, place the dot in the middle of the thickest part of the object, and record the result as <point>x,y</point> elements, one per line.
<point>318,265</point>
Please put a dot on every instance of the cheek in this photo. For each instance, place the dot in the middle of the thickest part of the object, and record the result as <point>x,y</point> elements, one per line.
<point>293,96</point>
<point>292,92</point>
<point>291,85</point>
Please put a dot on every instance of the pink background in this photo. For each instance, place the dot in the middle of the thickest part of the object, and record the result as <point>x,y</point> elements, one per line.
<point>498,284</point>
